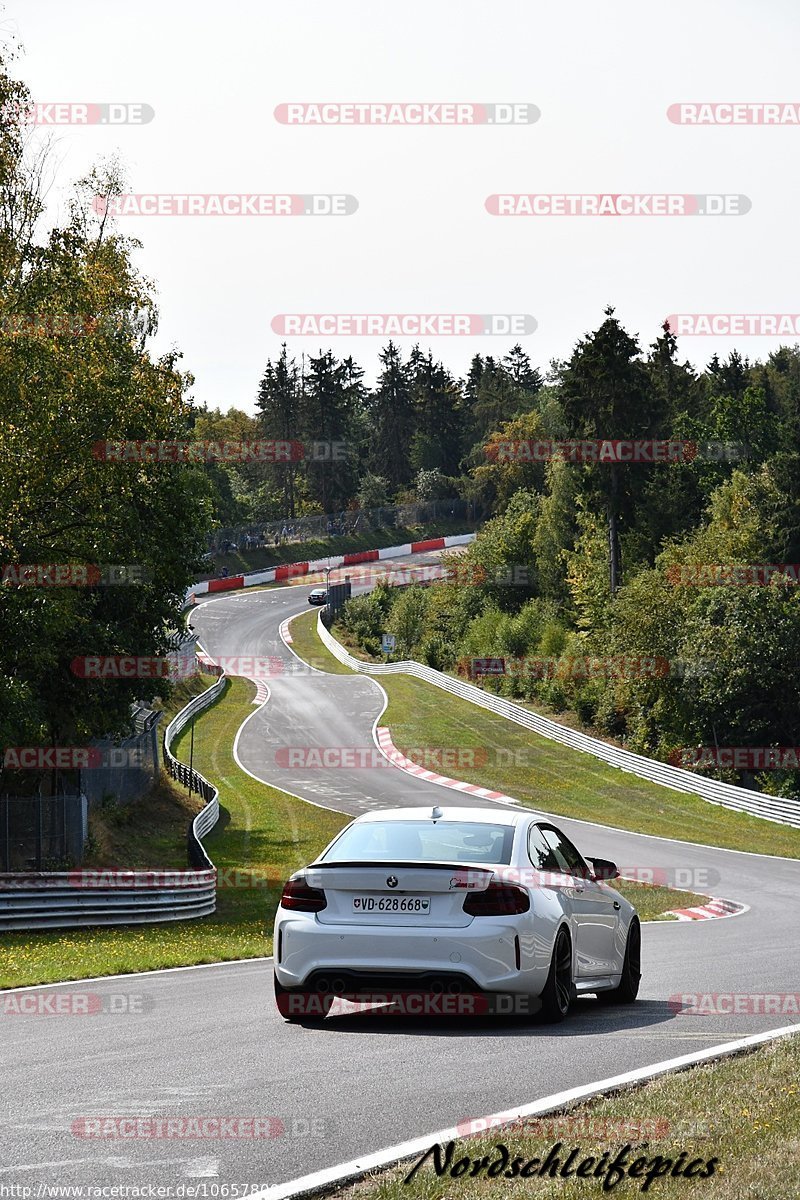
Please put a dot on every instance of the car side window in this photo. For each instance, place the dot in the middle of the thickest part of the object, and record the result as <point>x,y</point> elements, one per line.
<point>565,852</point>
<point>540,854</point>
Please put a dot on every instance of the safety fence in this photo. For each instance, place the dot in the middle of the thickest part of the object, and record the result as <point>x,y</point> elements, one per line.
<point>771,808</point>
<point>86,897</point>
<point>262,535</point>
<point>42,832</point>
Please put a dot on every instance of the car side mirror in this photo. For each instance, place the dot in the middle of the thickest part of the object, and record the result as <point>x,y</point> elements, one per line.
<point>604,868</point>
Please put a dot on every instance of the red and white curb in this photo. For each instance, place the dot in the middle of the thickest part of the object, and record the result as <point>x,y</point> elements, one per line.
<point>714,908</point>
<point>284,632</point>
<point>704,912</point>
<point>398,759</point>
<point>289,571</point>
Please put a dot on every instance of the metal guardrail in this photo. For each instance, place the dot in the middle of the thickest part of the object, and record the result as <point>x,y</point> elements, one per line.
<point>66,899</point>
<point>771,808</point>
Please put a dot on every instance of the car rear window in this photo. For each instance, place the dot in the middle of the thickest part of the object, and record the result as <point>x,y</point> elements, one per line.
<point>424,841</point>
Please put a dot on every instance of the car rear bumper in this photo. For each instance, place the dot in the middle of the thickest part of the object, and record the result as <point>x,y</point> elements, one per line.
<point>485,956</point>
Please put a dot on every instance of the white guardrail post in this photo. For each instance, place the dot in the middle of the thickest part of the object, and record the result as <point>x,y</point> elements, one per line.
<point>771,808</point>
<point>66,899</point>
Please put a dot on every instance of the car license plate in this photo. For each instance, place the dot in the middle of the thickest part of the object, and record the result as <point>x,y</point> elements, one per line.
<point>419,905</point>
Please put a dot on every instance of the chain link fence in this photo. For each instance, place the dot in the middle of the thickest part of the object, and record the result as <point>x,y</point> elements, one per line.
<point>129,767</point>
<point>341,524</point>
<point>40,833</point>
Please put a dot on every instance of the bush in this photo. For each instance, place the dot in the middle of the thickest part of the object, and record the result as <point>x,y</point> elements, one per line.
<point>407,620</point>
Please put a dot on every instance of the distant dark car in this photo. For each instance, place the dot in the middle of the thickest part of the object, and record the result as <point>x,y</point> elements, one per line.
<point>318,596</point>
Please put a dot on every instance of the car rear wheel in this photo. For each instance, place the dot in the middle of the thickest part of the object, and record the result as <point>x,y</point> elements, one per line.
<point>628,988</point>
<point>559,991</point>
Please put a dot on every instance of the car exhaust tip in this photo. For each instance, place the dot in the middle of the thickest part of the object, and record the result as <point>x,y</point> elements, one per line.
<point>338,986</point>
<point>323,985</point>
<point>455,988</point>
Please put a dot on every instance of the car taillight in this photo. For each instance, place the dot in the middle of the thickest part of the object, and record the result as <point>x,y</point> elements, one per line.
<point>498,900</point>
<point>300,897</point>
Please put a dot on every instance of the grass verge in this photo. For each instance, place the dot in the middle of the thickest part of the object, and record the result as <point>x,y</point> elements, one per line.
<point>741,1112</point>
<point>306,644</point>
<point>150,832</point>
<point>548,776</point>
<point>262,836</point>
<point>654,903</point>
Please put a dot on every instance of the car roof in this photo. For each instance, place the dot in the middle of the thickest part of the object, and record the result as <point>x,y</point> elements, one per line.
<point>423,812</point>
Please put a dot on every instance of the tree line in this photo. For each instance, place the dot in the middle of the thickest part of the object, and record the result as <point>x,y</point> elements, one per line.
<point>659,602</point>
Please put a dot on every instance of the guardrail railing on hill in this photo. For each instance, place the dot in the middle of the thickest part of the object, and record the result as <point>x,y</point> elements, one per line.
<point>771,808</point>
<point>66,899</point>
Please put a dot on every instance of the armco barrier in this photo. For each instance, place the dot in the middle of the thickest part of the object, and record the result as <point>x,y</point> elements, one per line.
<point>292,570</point>
<point>771,808</point>
<point>65,899</point>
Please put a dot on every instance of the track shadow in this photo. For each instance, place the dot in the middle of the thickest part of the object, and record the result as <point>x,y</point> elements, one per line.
<point>587,1016</point>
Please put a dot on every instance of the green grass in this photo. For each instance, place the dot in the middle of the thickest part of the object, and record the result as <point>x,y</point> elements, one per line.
<point>151,832</point>
<point>256,560</point>
<point>262,833</point>
<point>180,696</point>
<point>307,645</point>
<point>742,1111</point>
<point>653,902</point>
<point>551,777</point>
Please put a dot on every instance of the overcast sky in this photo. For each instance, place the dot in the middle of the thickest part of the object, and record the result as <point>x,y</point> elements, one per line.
<point>603,76</point>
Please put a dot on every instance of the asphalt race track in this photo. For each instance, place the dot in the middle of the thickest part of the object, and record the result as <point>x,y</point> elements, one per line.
<point>211,1043</point>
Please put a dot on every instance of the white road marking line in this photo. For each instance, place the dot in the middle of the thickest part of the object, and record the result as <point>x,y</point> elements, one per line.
<point>346,1172</point>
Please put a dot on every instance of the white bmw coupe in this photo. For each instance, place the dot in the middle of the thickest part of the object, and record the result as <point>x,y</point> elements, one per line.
<point>454,901</point>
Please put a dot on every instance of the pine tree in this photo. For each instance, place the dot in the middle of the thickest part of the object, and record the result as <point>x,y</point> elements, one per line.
<point>439,415</point>
<point>278,404</point>
<point>391,411</point>
<point>605,394</point>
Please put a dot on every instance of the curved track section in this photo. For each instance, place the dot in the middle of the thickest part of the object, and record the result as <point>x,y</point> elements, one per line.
<point>212,1043</point>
